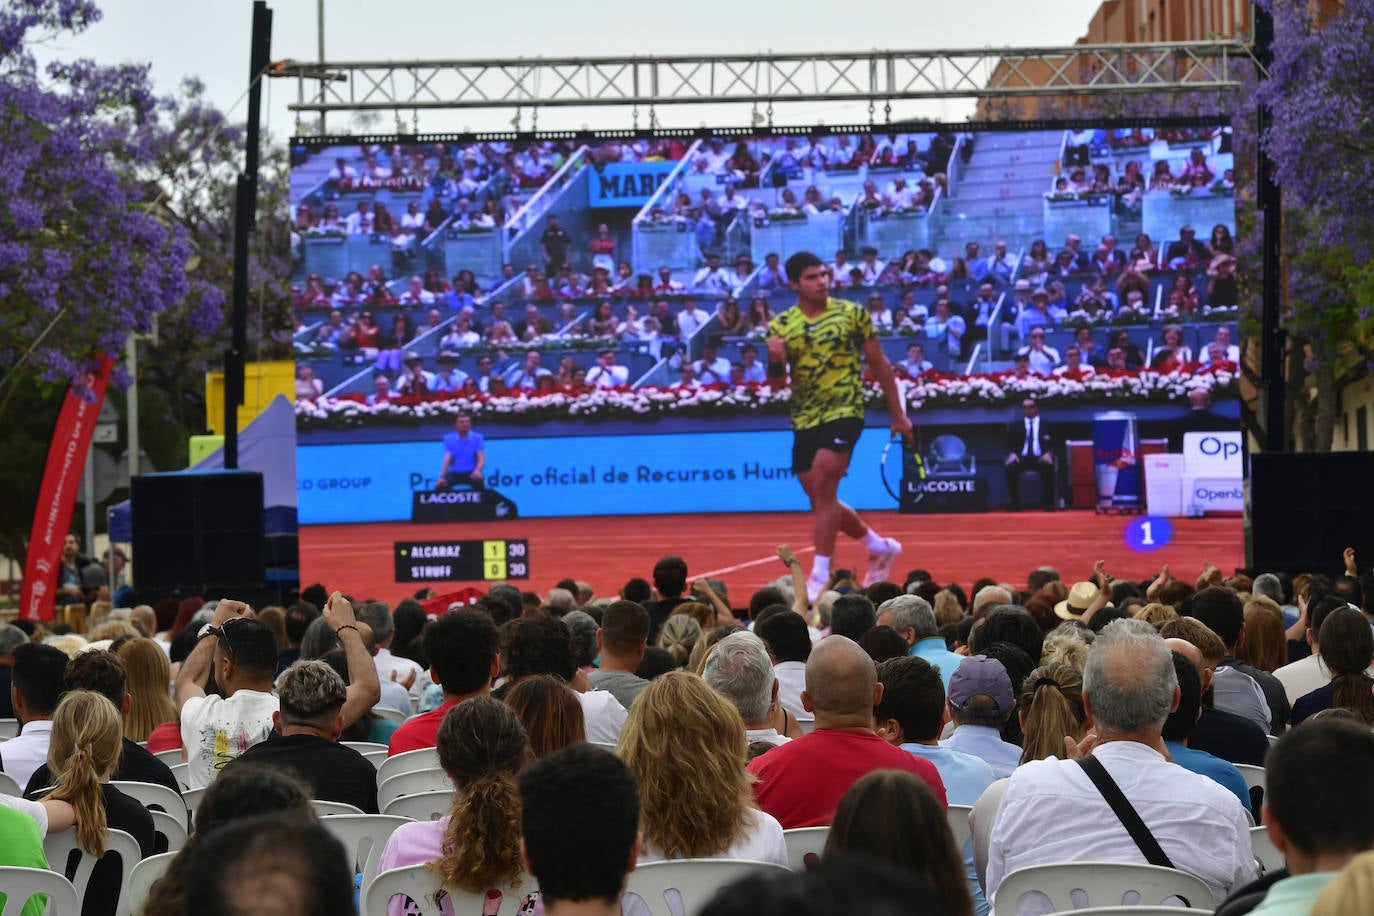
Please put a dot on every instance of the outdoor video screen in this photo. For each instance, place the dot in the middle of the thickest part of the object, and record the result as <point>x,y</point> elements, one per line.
<point>590,316</point>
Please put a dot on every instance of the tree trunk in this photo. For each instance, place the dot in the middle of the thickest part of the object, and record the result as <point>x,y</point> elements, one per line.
<point>1295,401</point>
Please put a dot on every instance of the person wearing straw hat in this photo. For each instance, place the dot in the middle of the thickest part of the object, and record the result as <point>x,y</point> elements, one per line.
<point>1082,597</point>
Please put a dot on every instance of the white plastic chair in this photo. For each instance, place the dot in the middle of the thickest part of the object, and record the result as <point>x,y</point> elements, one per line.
<point>1102,883</point>
<point>426,888</point>
<point>411,783</point>
<point>981,819</point>
<point>604,745</point>
<point>19,884</point>
<point>365,747</point>
<point>958,817</point>
<point>326,808</point>
<point>156,797</point>
<point>1255,778</point>
<point>695,881</point>
<point>1266,853</point>
<point>9,787</point>
<point>376,758</point>
<point>9,728</point>
<point>423,806</point>
<point>192,799</point>
<point>1133,911</point>
<point>168,826</point>
<point>144,876</point>
<point>59,846</point>
<point>807,725</point>
<point>363,837</point>
<point>426,758</point>
<point>391,715</point>
<point>179,773</point>
<point>804,846</point>
<point>172,756</point>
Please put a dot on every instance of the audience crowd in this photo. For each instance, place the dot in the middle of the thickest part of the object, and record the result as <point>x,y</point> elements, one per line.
<point>565,737</point>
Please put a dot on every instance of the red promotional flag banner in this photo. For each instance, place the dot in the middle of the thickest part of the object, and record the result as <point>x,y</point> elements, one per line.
<point>71,440</point>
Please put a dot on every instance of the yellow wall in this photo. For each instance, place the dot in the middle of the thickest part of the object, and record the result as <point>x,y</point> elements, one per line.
<point>261,383</point>
<point>1354,398</point>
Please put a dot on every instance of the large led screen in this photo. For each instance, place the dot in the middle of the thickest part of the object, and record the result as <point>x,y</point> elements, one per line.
<point>596,309</point>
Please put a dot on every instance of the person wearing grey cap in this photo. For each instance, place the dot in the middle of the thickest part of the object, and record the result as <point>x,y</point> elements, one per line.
<point>414,379</point>
<point>980,700</point>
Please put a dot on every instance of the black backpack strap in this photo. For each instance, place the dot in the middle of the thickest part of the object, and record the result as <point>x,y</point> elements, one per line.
<point>1125,812</point>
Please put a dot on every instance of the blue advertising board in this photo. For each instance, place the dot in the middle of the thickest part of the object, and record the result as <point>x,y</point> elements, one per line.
<point>587,476</point>
<point>626,184</point>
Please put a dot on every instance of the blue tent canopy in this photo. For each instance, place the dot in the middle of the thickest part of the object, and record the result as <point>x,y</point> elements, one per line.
<point>268,446</point>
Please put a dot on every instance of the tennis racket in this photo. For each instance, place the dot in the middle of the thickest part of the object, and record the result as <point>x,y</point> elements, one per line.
<point>902,458</point>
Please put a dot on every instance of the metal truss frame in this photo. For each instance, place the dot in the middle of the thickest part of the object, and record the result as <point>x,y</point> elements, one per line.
<point>766,78</point>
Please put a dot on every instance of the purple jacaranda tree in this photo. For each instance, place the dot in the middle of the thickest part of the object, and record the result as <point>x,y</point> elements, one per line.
<point>1320,87</point>
<point>86,257</point>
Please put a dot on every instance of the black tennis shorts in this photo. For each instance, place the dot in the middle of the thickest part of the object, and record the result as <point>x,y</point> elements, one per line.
<point>835,436</point>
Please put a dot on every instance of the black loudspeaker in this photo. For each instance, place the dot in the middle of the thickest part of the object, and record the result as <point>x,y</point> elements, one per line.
<point>198,532</point>
<point>1305,509</point>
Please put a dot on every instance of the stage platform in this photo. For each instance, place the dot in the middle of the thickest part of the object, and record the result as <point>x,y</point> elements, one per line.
<point>739,548</point>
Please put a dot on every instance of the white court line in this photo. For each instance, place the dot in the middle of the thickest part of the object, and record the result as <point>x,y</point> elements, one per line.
<point>771,558</point>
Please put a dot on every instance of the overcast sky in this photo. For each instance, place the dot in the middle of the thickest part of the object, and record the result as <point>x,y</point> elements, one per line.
<point>209,39</point>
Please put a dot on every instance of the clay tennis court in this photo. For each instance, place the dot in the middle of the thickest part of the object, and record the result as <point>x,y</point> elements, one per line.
<point>738,549</point>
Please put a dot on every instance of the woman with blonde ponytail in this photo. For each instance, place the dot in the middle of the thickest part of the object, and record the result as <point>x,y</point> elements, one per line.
<point>1051,708</point>
<point>87,736</point>
<point>476,846</point>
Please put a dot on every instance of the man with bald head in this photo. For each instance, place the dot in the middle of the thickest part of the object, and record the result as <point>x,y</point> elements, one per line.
<point>1057,810</point>
<point>801,783</point>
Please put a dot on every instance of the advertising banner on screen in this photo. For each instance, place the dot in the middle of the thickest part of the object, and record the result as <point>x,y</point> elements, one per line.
<point>626,184</point>
<point>57,496</point>
<point>1115,459</point>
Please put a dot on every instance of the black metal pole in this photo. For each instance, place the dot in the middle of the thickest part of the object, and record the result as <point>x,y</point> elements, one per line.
<point>1272,338</point>
<point>245,217</point>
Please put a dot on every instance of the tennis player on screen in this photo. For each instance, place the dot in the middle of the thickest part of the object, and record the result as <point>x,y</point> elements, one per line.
<point>825,342</point>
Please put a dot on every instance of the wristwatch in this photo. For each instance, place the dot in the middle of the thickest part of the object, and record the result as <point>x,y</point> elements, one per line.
<point>207,630</point>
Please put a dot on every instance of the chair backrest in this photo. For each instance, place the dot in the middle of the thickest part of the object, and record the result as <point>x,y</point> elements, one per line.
<point>604,745</point>
<point>695,881</point>
<point>958,817</point>
<point>426,758</point>
<point>1103,884</point>
<point>172,756</point>
<point>19,884</point>
<point>58,847</point>
<point>333,808</point>
<point>806,725</point>
<point>364,747</point>
<point>1255,779</point>
<point>170,828</point>
<point>426,888</point>
<point>192,799</point>
<point>411,782</point>
<point>9,728</point>
<point>422,806</point>
<point>391,715</point>
<point>155,797</point>
<point>364,837</point>
<point>9,787</point>
<point>1132,911</point>
<point>804,846</point>
<point>179,771</point>
<point>376,758</point>
<point>144,876</point>
<point>1266,853</point>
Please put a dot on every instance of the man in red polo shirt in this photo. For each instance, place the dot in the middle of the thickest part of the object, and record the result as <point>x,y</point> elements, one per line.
<point>801,783</point>
<point>461,647</point>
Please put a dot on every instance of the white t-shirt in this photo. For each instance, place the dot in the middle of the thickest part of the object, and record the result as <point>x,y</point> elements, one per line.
<point>32,808</point>
<point>215,730</point>
<point>386,663</point>
<point>602,715</point>
<point>762,842</point>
